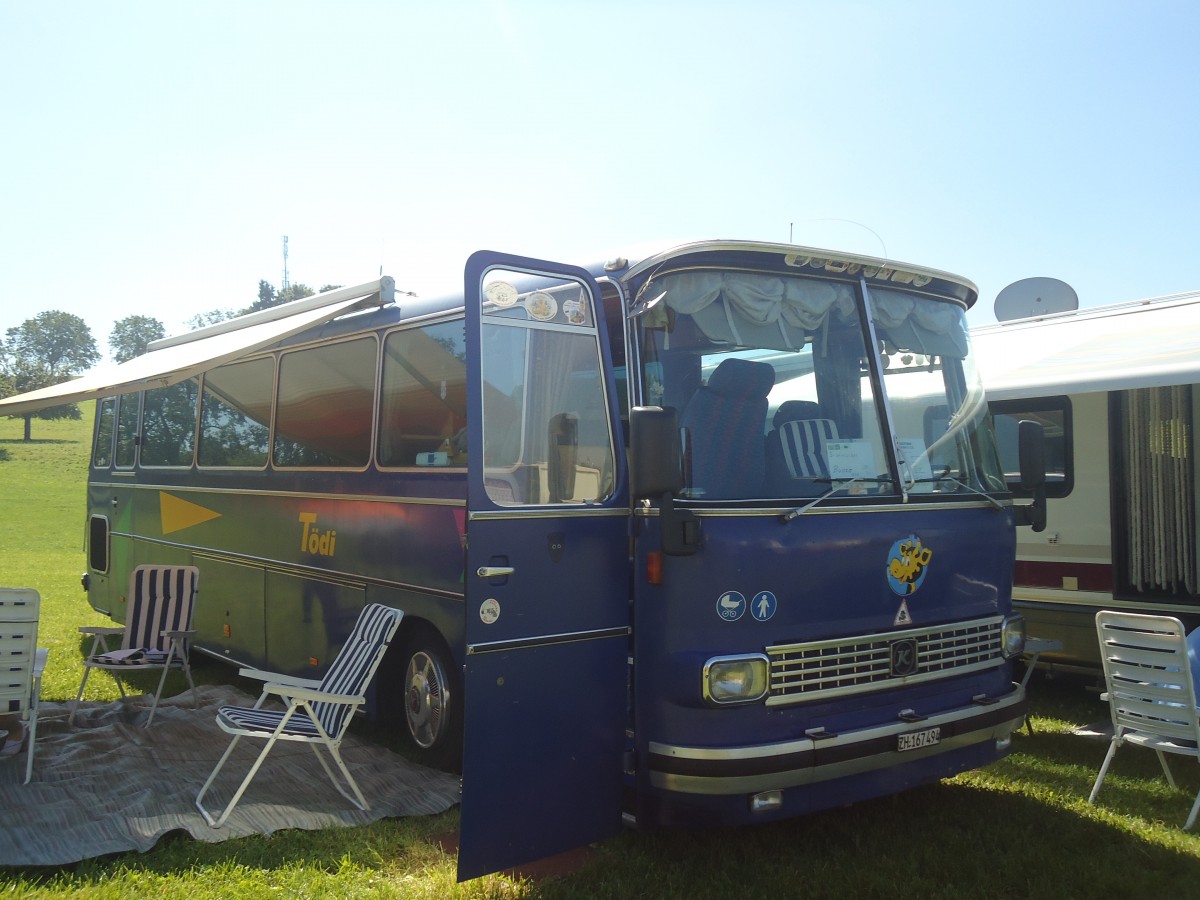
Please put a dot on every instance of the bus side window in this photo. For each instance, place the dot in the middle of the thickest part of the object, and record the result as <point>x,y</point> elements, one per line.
<point>127,430</point>
<point>169,425</point>
<point>102,452</point>
<point>235,414</point>
<point>423,401</point>
<point>326,402</point>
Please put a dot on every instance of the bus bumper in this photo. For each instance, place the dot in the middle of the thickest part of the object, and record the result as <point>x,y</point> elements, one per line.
<point>905,753</point>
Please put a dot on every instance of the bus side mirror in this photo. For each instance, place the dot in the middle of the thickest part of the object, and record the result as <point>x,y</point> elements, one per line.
<point>655,452</point>
<point>656,471</point>
<point>1031,444</point>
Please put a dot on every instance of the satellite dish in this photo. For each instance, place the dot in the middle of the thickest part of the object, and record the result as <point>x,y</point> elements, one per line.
<point>1035,297</point>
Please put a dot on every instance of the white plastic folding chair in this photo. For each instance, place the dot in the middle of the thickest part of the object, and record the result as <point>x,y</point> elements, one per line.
<point>156,633</point>
<point>21,662</point>
<point>318,711</point>
<point>1150,691</point>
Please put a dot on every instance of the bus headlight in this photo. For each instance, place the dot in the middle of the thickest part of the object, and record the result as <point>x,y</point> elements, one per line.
<point>735,679</point>
<point>1012,636</point>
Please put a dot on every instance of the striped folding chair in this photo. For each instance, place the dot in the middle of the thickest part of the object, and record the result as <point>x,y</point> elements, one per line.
<point>156,633</point>
<point>21,662</point>
<point>317,711</point>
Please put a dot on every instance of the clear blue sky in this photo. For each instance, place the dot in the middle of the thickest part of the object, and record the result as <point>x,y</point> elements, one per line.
<point>155,153</point>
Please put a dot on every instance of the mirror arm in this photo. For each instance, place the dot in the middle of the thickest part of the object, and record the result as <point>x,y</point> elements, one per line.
<point>680,528</point>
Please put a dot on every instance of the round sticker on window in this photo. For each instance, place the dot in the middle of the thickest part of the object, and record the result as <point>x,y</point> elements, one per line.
<point>501,293</point>
<point>541,306</point>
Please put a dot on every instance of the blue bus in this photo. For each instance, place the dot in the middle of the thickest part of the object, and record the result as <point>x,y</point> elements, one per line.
<point>711,537</point>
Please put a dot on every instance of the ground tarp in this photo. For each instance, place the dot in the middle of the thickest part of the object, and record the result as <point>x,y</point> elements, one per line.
<point>109,784</point>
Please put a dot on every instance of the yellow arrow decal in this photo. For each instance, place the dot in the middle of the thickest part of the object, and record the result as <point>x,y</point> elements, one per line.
<point>179,514</point>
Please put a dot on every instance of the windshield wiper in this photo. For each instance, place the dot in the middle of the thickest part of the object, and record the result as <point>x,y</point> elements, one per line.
<point>984,494</point>
<point>945,475</point>
<point>841,486</point>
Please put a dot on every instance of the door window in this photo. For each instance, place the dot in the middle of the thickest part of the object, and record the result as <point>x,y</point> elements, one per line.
<point>546,434</point>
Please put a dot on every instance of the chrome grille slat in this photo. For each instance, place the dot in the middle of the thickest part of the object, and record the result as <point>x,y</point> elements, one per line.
<point>824,669</point>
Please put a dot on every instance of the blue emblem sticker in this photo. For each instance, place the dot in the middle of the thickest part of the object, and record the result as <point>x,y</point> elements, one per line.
<point>731,606</point>
<point>763,606</point>
<point>908,564</point>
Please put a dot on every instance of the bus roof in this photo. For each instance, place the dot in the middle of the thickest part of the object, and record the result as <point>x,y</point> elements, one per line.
<point>1144,343</point>
<point>795,259</point>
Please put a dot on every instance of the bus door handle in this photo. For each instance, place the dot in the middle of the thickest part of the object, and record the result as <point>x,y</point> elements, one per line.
<point>494,571</point>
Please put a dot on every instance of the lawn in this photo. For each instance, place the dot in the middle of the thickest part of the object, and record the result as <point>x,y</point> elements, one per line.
<point>1019,828</point>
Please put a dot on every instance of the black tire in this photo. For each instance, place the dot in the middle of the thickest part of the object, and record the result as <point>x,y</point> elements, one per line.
<point>431,702</point>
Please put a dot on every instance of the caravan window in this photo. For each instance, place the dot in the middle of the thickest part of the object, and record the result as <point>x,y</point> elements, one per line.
<point>1054,415</point>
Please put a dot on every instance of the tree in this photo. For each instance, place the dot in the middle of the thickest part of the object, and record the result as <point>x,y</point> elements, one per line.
<point>47,349</point>
<point>130,336</point>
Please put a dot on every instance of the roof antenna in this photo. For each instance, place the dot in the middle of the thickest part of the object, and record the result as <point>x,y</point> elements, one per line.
<point>882,245</point>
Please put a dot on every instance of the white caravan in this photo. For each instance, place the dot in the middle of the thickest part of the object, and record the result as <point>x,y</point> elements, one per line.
<point>1115,389</point>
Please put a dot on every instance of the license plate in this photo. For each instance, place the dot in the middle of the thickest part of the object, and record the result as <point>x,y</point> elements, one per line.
<point>915,740</point>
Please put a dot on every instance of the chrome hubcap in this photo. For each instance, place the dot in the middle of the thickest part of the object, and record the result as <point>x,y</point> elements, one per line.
<point>425,699</point>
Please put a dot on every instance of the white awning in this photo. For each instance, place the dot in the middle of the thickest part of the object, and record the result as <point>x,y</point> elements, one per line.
<point>1148,344</point>
<point>176,359</point>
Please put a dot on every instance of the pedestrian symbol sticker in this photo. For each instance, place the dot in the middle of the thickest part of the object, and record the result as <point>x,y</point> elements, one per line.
<point>731,606</point>
<point>902,616</point>
<point>762,607</point>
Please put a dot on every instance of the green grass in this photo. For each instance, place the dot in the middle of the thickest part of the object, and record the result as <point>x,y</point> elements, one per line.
<point>1019,828</point>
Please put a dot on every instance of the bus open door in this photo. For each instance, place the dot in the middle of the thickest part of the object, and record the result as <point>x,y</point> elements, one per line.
<point>547,568</point>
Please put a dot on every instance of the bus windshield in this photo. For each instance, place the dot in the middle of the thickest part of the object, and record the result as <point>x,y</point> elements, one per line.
<point>772,378</point>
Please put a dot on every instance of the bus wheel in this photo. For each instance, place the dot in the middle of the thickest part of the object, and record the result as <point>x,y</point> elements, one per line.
<point>432,705</point>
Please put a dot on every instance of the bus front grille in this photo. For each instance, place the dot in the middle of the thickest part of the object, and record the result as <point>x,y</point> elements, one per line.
<point>876,662</point>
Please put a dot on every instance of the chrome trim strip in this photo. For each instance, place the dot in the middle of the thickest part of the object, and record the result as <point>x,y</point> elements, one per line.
<point>548,640</point>
<point>777,511</point>
<point>799,774</point>
<point>305,495</point>
<point>542,512</point>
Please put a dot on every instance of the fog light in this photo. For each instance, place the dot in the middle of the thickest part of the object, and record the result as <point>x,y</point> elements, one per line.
<point>765,801</point>
<point>1004,744</point>
<point>735,679</point>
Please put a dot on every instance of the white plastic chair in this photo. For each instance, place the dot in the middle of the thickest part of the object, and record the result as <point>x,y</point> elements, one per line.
<point>1150,691</point>
<point>318,711</point>
<point>21,662</point>
<point>157,629</point>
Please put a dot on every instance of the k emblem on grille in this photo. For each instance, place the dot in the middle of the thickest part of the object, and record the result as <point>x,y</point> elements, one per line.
<point>904,657</point>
